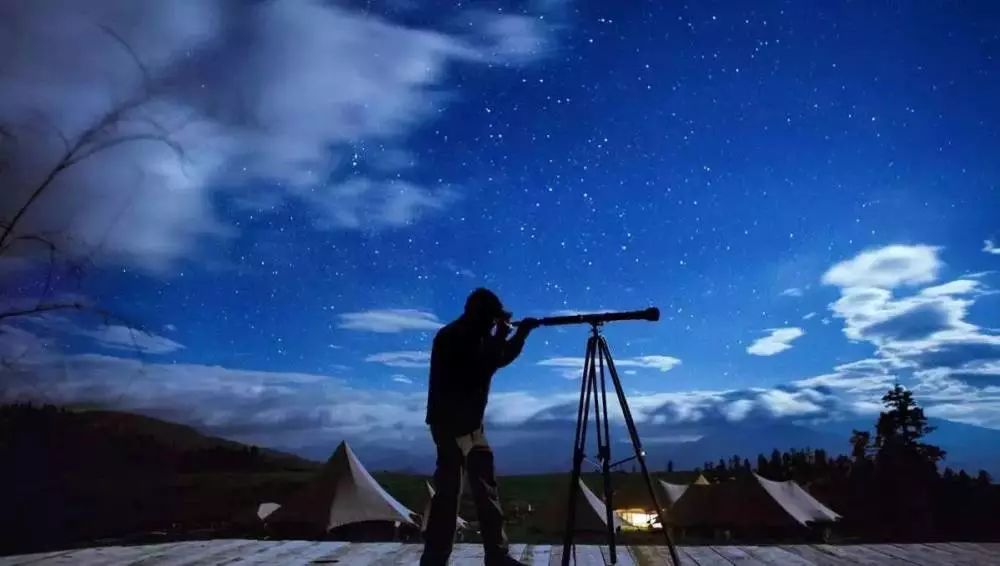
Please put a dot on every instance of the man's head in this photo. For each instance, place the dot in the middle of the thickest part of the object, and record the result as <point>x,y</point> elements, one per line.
<point>483,308</point>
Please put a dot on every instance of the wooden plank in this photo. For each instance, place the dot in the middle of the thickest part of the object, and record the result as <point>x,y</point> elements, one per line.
<point>737,555</point>
<point>644,555</point>
<point>955,554</point>
<point>850,554</point>
<point>96,556</point>
<point>698,556</point>
<point>516,550</point>
<point>813,555</point>
<point>142,551</point>
<point>272,552</point>
<point>872,556</point>
<point>410,554</point>
<point>622,552</point>
<point>186,552</point>
<point>536,555</point>
<point>555,555</point>
<point>33,558</point>
<point>322,553</point>
<point>974,551</point>
<point>776,555</point>
<point>992,548</point>
<point>100,555</point>
<point>467,554</point>
<point>903,554</point>
<point>231,555</point>
<point>401,554</point>
<point>357,553</point>
<point>943,553</point>
<point>78,556</point>
<point>587,555</point>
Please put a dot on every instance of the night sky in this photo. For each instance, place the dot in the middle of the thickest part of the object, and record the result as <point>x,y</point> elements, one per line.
<point>808,192</point>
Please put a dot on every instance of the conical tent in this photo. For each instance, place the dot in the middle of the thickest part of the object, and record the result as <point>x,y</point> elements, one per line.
<point>749,502</point>
<point>590,512</point>
<point>459,522</point>
<point>671,492</point>
<point>797,502</point>
<point>344,493</point>
<point>699,505</point>
<point>265,509</point>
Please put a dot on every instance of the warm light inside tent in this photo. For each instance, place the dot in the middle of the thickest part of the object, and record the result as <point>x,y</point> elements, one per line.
<point>640,518</point>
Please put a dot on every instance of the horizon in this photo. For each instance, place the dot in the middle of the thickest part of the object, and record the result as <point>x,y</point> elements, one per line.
<point>808,194</point>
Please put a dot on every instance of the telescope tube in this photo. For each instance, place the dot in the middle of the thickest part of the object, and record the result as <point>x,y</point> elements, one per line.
<point>651,314</point>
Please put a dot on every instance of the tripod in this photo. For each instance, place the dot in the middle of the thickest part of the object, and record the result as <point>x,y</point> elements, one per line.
<point>593,382</point>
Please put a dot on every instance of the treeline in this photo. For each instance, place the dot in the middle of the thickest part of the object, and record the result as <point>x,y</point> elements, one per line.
<point>891,485</point>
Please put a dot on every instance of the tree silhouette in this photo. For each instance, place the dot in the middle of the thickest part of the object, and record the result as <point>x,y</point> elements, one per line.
<point>905,467</point>
<point>900,429</point>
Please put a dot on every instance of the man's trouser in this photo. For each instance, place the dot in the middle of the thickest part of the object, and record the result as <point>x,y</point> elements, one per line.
<point>469,454</point>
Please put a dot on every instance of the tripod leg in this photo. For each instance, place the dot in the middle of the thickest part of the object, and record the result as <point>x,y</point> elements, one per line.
<point>637,444</point>
<point>580,442</point>
<point>604,449</point>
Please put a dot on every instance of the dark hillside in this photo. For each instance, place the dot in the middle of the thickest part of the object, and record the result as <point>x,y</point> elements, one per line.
<point>79,475</point>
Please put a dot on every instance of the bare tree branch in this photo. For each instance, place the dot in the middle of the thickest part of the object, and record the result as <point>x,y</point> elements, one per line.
<point>143,70</point>
<point>39,309</point>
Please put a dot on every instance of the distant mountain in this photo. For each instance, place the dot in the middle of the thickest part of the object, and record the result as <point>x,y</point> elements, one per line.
<point>724,441</point>
<point>969,447</point>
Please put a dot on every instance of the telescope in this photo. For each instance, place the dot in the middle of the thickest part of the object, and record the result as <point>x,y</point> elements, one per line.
<point>597,365</point>
<point>596,318</point>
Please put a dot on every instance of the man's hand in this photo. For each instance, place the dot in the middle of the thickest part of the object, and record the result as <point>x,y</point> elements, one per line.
<point>503,329</point>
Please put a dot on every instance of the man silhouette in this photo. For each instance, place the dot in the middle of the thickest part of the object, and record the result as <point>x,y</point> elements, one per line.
<point>465,355</point>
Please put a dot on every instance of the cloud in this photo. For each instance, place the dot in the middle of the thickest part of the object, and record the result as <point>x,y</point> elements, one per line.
<point>389,320</point>
<point>924,338</point>
<point>792,292</point>
<point>875,315</point>
<point>271,408</point>
<point>956,287</point>
<point>304,102</point>
<point>990,248</point>
<point>119,337</point>
<point>866,377</point>
<point>370,204</point>
<point>808,316</point>
<point>779,340</point>
<point>887,267</point>
<point>402,359</point>
<point>572,367</point>
<point>399,378</point>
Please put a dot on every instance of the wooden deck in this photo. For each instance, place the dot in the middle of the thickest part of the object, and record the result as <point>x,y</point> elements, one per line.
<point>308,552</point>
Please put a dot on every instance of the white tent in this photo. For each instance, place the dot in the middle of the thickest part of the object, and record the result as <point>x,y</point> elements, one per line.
<point>459,522</point>
<point>797,502</point>
<point>265,509</point>
<point>590,507</point>
<point>749,502</point>
<point>344,493</point>
<point>672,491</point>
<point>590,514</point>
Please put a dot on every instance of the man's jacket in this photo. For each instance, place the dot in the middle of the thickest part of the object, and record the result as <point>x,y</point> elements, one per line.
<point>463,361</point>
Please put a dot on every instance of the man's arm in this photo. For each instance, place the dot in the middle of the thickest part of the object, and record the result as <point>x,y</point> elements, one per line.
<point>506,351</point>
